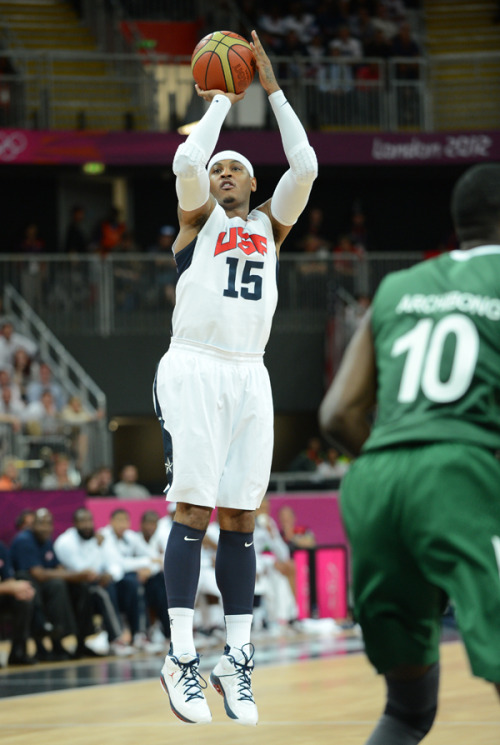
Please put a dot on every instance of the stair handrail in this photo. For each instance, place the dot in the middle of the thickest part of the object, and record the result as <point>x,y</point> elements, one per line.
<point>61,362</point>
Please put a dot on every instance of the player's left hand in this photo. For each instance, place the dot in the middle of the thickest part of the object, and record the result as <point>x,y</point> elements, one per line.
<point>209,95</point>
<point>264,66</point>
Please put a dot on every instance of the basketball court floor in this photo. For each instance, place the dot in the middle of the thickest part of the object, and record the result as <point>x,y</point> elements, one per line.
<point>311,688</point>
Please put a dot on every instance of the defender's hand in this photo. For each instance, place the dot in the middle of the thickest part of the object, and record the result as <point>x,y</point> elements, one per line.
<point>264,66</point>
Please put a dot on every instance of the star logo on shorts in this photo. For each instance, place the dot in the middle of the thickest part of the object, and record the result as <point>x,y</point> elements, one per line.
<point>169,465</point>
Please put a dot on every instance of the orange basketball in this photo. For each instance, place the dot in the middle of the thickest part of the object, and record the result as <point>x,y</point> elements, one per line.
<point>224,61</point>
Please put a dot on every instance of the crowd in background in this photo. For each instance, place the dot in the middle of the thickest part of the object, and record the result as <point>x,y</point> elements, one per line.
<point>91,592</point>
<point>36,405</point>
<point>320,461</point>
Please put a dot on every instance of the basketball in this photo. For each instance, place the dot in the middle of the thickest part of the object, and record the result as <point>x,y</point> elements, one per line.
<point>223,61</point>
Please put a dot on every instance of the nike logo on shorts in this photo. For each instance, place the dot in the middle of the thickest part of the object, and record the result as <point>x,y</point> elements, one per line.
<point>247,545</point>
<point>186,538</point>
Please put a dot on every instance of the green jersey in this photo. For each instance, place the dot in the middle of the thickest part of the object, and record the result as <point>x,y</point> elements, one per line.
<point>436,330</point>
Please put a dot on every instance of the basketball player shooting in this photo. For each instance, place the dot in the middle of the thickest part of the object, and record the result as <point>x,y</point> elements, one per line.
<point>212,391</point>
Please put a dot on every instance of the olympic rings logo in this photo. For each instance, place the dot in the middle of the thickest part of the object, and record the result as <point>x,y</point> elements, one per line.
<point>12,145</point>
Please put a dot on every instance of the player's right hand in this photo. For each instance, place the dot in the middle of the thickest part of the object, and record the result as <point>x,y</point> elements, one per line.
<point>209,95</point>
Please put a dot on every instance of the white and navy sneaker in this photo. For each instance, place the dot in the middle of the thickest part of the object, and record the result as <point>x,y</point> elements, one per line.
<point>181,680</point>
<point>232,679</point>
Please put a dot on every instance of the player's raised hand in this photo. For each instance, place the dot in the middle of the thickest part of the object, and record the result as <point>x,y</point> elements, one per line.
<point>209,95</point>
<point>264,66</point>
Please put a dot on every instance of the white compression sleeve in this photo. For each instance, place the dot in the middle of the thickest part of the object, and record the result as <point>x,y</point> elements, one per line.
<point>292,192</point>
<point>192,182</point>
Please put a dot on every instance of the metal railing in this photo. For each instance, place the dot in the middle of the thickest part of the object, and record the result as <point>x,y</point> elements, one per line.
<point>134,294</point>
<point>93,436</point>
<point>96,90</point>
<point>119,91</point>
<point>78,90</point>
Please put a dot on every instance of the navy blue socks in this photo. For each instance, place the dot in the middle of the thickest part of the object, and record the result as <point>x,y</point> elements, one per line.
<point>235,571</point>
<point>182,565</point>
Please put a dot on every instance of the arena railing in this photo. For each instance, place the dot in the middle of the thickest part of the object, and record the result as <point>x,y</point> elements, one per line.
<point>69,373</point>
<point>98,90</point>
<point>133,294</point>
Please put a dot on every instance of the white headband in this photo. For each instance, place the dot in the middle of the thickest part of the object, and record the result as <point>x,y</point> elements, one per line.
<point>230,155</point>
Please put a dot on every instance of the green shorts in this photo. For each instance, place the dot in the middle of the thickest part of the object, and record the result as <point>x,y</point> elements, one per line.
<point>424,523</point>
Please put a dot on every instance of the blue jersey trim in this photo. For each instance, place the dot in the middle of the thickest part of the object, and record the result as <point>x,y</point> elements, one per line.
<point>166,436</point>
<point>184,257</point>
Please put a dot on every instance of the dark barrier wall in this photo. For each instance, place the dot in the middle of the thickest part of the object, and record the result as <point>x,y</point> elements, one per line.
<point>62,504</point>
<point>406,207</point>
<point>124,368</point>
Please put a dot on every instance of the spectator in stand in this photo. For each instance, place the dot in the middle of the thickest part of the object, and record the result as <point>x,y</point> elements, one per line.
<point>315,228</point>
<point>16,600</point>
<point>209,613</point>
<point>75,420</point>
<point>79,549</point>
<point>300,21</point>
<point>403,45</point>
<point>349,258</point>
<point>11,410</point>
<point>361,26</point>
<point>128,274</point>
<point>131,568</point>
<point>333,466</point>
<point>33,558</point>
<point>272,27</point>
<point>42,416</point>
<point>336,94</point>
<point>6,380</point>
<point>100,483</point>
<point>316,50</point>
<point>10,340</point>
<point>275,568</point>
<point>33,271</point>
<point>110,233</point>
<point>9,476</point>
<point>295,536</point>
<point>165,526</point>
<point>328,18</point>
<point>165,268</point>
<point>128,487</point>
<point>76,240</point>
<point>347,44</point>
<point>44,381</point>
<point>62,474</point>
<point>25,520</point>
<point>358,232</point>
<point>382,22</point>
<point>23,370</point>
<point>151,543</point>
<point>294,48</point>
<point>395,9</point>
<point>308,459</point>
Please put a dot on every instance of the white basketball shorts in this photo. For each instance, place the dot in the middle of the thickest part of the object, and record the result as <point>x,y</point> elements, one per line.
<point>217,408</point>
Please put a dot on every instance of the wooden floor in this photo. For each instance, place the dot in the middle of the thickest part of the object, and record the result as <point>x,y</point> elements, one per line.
<point>318,702</point>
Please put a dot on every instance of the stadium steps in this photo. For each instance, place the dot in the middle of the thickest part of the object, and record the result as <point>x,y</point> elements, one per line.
<point>76,85</point>
<point>465,95</point>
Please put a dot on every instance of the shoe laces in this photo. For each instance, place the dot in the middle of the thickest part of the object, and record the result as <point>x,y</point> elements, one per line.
<point>243,673</point>
<point>190,678</point>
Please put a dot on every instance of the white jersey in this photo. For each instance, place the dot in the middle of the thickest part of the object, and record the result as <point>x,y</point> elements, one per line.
<point>227,290</point>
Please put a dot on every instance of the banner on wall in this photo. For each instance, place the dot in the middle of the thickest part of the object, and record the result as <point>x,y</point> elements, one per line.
<point>321,582</point>
<point>77,147</point>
